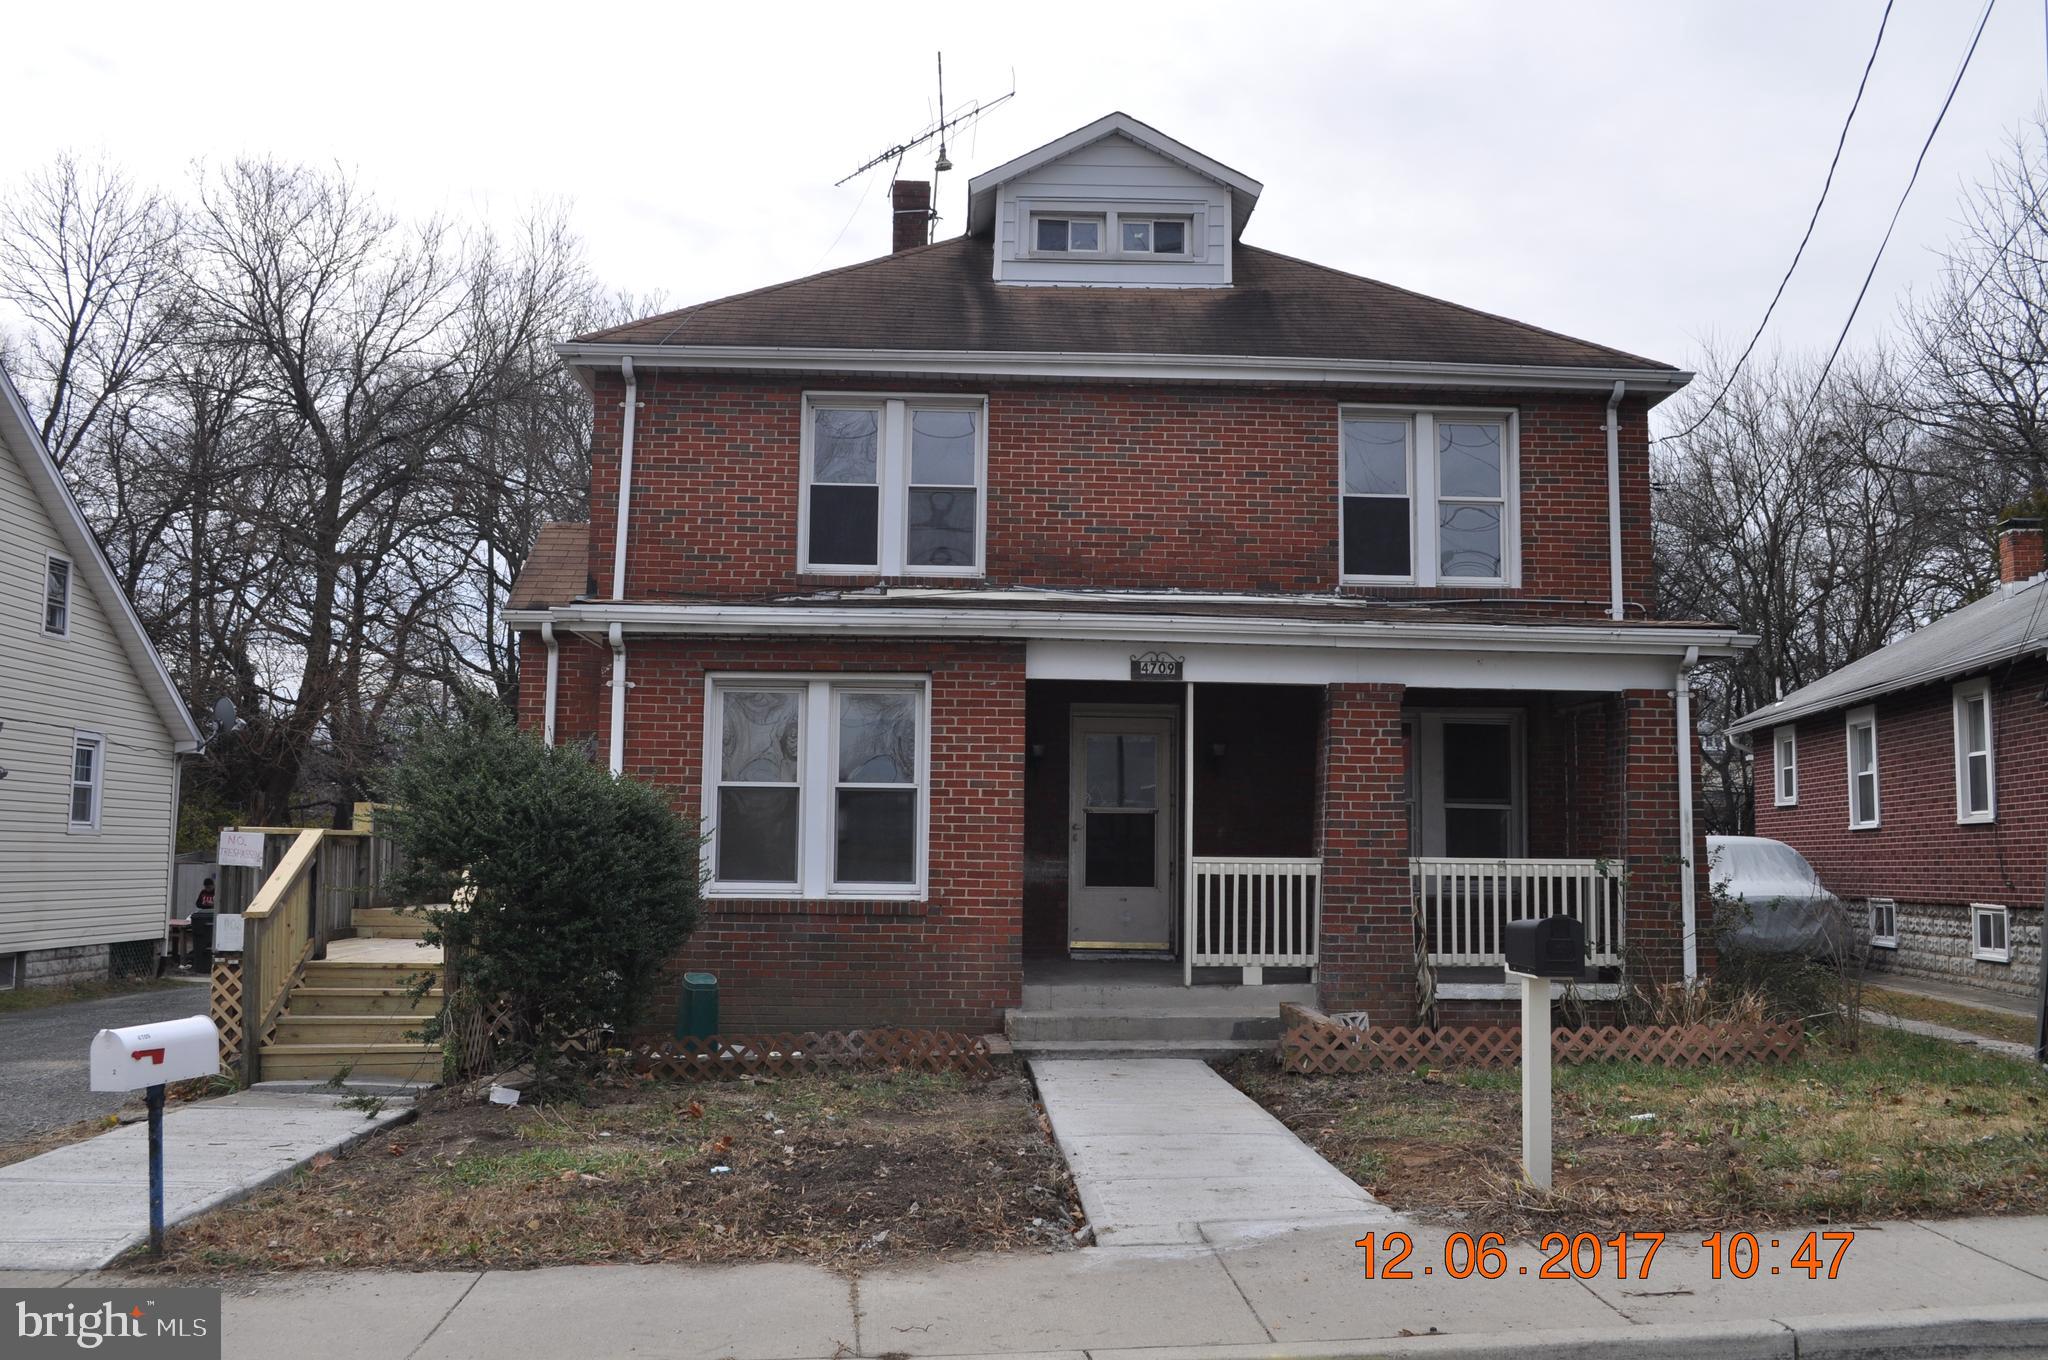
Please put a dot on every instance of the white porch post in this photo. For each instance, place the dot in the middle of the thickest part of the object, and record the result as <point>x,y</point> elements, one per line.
<point>1687,883</point>
<point>1187,849</point>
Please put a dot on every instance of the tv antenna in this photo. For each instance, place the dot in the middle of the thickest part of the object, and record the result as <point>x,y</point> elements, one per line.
<point>967,117</point>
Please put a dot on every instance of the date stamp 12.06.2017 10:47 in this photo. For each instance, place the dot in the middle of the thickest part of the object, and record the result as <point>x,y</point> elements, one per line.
<point>1586,1256</point>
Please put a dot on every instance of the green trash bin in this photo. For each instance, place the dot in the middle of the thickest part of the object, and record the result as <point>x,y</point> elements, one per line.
<point>697,1010</point>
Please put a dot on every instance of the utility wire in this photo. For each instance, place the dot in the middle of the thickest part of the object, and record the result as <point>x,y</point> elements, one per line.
<point>1826,184</point>
<point>1898,208</point>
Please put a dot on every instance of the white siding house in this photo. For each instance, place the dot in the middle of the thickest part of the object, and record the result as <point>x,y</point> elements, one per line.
<point>91,729</point>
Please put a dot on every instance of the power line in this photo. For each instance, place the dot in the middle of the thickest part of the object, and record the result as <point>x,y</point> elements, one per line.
<point>1826,184</point>
<point>1898,208</point>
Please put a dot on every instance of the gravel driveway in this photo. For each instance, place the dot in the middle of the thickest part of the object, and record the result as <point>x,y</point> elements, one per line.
<point>43,1056</point>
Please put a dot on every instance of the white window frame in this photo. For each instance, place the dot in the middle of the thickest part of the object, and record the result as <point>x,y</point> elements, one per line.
<point>83,737</point>
<point>817,785</point>
<point>70,594</point>
<point>1431,803</point>
<point>892,480</point>
<point>1103,227</point>
<point>1425,494</point>
<point>1966,693</point>
<point>1785,761</point>
<point>1863,717</point>
<point>1889,909</point>
<point>2000,953</point>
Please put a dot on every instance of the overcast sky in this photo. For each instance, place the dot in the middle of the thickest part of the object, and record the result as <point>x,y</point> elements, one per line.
<point>1634,173</point>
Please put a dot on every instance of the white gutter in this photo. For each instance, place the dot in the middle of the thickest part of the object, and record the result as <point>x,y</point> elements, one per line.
<point>935,621</point>
<point>1616,609</point>
<point>625,481</point>
<point>1688,881</point>
<point>547,711</point>
<point>1125,367</point>
<point>618,641</point>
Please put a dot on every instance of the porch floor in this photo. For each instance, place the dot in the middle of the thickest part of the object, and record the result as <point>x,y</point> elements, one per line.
<point>1128,972</point>
<point>365,949</point>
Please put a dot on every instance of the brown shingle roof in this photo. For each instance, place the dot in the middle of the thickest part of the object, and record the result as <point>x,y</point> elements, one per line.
<point>942,297</point>
<point>557,570</point>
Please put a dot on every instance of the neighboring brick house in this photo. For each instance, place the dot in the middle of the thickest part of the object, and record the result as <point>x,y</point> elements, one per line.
<point>1095,595</point>
<point>1915,781</point>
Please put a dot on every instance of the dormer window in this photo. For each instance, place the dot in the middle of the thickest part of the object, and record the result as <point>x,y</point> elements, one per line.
<point>1070,234</point>
<point>1155,235</point>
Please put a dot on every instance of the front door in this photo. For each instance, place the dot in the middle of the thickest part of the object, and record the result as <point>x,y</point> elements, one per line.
<point>1120,832</point>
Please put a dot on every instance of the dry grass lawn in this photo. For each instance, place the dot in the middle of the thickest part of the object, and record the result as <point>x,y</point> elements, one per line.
<point>2018,1029</point>
<point>830,1168</point>
<point>1906,1126</point>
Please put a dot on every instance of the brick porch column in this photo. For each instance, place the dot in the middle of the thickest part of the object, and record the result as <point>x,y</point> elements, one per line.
<point>1367,953</point>
<point>1654,862</point>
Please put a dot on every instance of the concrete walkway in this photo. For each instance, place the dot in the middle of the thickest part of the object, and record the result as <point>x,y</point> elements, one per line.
<point>1957,993</point>
<point>79,1206</point>
<point>1969,1287</point>
<point>2005,1048</point>
<point>1164,1152</point>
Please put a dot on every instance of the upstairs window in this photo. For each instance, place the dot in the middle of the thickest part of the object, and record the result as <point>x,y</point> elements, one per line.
<point>1862,741</point>
<point>1427,497</point>
<point>1976,780</point>
<point>1154,235</point>
<point>57,597</point>
<point>86,749</point>
<point>1068,234</point>
<point>893,486</point>
<point>1785,762</point>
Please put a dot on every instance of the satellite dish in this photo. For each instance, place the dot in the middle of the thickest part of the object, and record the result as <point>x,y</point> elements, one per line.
<point>224,714</point>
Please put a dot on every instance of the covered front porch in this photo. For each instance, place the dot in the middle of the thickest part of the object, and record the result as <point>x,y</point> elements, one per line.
<point>1372,841</point>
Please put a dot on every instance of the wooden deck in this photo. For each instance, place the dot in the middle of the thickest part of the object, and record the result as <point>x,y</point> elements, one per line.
<point>384,951</point>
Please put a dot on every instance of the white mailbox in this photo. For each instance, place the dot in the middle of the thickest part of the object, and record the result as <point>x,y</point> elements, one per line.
<point>149,1055</point>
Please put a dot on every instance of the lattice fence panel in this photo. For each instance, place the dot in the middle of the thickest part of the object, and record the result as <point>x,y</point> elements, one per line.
<point>734,1055</point>
<point>1329,1049</point>
<point>224,1003</point>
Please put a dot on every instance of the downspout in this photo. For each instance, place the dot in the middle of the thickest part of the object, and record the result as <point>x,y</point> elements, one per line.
<point>1615,607</point>
<point>547,709</point>
<point>1689,876</point>
<point>618,641</point>
<point>618,635</point>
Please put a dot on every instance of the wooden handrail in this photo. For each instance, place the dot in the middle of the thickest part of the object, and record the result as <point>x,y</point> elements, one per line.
<point>288,870</point>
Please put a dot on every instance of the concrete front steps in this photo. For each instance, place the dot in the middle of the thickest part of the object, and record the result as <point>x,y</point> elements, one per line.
<point>1122,1020</point>
<point>356,1015</point>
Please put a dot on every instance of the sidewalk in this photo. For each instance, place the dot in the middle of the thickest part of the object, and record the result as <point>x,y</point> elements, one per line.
<point>81,1205</point>
<point>1950,1288</point>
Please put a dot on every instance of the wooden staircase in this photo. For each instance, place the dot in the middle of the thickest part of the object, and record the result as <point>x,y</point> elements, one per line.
<point>354,1009</point>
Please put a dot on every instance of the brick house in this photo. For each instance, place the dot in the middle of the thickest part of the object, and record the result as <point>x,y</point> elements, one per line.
<point>1915,781</point>
<point>1096,597</point>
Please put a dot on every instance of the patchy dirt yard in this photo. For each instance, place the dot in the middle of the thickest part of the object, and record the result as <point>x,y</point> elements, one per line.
<point>839,1169</point>
<point>1906,1126</point>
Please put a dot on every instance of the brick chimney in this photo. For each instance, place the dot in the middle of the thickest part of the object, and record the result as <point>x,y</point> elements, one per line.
<point>911,201</point>
<point>2020,556</point>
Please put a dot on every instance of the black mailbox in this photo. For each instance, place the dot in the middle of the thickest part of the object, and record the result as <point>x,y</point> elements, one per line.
<point>1550,946</point>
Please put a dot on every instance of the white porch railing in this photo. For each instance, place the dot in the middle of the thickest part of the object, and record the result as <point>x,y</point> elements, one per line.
<point>1253,913</point>
<point>1465,902</point>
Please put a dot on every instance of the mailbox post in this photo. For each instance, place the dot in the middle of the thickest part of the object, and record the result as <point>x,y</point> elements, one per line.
<point>146,1058</point>
<point>1537,951</point>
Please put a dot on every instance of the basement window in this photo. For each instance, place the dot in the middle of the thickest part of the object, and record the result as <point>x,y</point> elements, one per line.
<point>817,787</point>
<point>1884,923</point>
<point>1990,933</point>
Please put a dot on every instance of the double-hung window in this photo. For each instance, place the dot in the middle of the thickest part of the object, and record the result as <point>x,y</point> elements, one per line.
<point>88,750</point>
<point>1976,779</point>
<point>1785,766</point>
<point>1428,497</point>
<point>817,787</point>
<point>893,486</point>
<point>1862,742</point>
<point>57,596</point>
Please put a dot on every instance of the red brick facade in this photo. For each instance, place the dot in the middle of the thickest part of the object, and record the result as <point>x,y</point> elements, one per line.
<point>1190,488</point>
<point>1919,853</point>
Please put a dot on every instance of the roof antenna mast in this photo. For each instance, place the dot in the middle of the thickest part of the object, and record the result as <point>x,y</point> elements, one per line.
<point>967,117</point>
